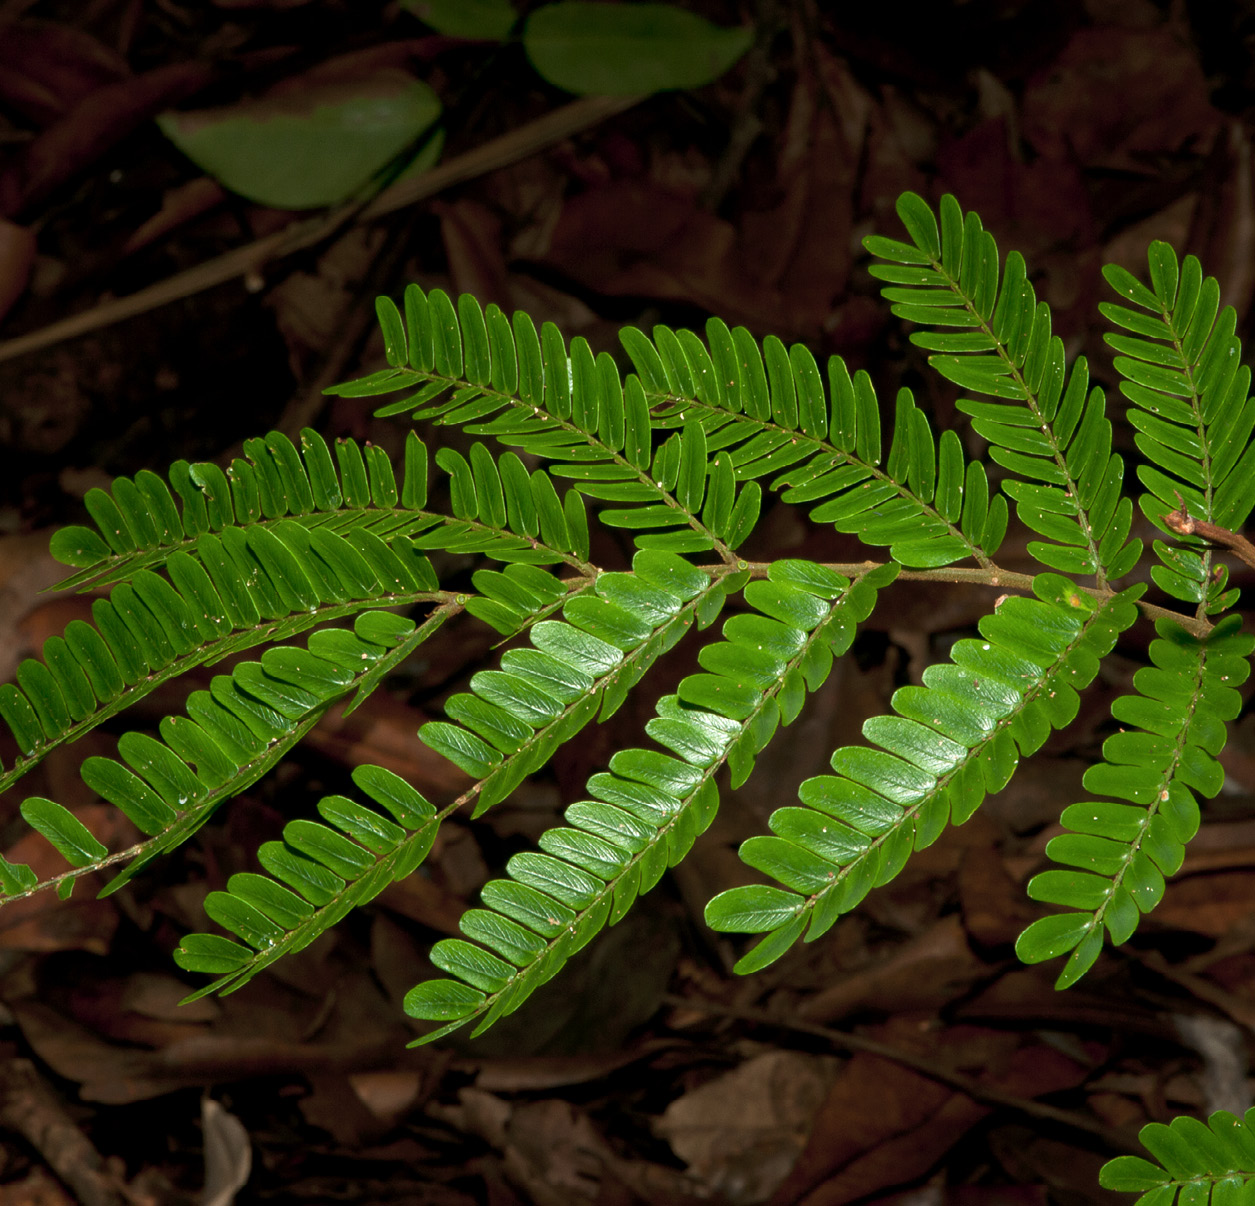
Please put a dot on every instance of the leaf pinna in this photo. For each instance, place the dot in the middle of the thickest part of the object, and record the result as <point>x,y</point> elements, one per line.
<point>605,509</point>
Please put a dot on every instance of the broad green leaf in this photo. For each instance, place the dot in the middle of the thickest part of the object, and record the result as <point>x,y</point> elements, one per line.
<point>308,149</point>
<point>475,20</point>
<point>623,49</point>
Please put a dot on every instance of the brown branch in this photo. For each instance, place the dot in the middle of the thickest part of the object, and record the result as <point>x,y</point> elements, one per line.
<point>306,232</point>
<point>1184,524</point>
<point>31,1108</point>
<point>1002,579</point>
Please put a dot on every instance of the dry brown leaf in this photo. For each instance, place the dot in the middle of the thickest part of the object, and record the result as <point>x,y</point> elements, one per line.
<point>183,203</point>
<point>17,258</point>
<point>1032,204</point>
<point>47,67</point>
<point>1070,1171</point>
<point>781,268</point>
<point>384,731</point>
<point>1105,100</point>
<point>159,995</point>
<point>557,1156</point>
<point>104,1071</point>
<point>529,1074</point>
<point>228,1154</point>
<point>995,909</point>
<point>103,1007</point>
<point>97,122</point>
<point>885,1125</point>
<point>37,1189</point>
<point>871,1101</point>
<point>1171,224</point>
<point>741,1133</point>
<point>1222,233</point>
<point>332,1105</point>
<point>925,973</point>
<point>801,245</point>
<point>1209,903</point>
<point>387,1093</point>
<point>27,569</point>
<point>472,235</point>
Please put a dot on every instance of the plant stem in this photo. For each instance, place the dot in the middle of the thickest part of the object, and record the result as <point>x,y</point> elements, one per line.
<point>1184,524</point>
<point>996,576</point>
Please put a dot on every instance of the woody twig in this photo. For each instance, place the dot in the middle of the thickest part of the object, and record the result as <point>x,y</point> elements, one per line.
<point>1181,522</point>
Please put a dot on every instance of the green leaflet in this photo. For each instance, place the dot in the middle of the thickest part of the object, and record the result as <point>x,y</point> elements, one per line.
<point>64,830</point>
<point>1212,1161</point>
<point>574,410</point>
<point>1048,428</point>
<point>645,814</point>
<point>742,413</point>
<point>1192,412</point>
<point>282,536</point>
<point>274,489</point>
<point>578,669</point>
<point>232,734</point>
<point>1119,853</point>
<point>317,874</point>
<point>825,451</point>
<point>950,742</point>
<point>669,461</point>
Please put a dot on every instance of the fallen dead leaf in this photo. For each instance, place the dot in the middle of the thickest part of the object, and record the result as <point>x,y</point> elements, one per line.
<point>524,1074</point>
<point>228,1154</point>
<point>17,258</point>
<point>472,235</point>
<point>995,909</point>
<point>871,1101</point>
<point>742,1132</point>
<point>47,67</point>
<point>334,1106</point>
<point>97,122</point>
<point>1069,1171</point>
<point>27,569</point>
<point>1033,204</point>
<point>388,1094</point>
<point>37,1189</point>
<point>181,204</point>
<point>925,973</point>
<point>384,731</point>
<point>310,308</point>
<point>1068,110</point>
<point>555,1154</point>
<point>1222,233</point>
<point>884,1124</point>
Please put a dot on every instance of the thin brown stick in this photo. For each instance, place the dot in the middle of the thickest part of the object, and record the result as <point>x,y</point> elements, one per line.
<point>306,232</point>
<point>1184,524</point>
<point>30,1107</point>
<point>843,1040</point>
<point>1003,579</point>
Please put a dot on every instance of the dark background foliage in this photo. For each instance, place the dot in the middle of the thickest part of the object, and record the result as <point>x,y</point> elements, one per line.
<point>907,1056</point>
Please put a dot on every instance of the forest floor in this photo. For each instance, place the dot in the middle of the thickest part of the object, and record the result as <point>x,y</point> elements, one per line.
<point>908,1057</point>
